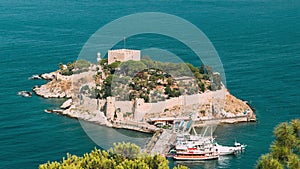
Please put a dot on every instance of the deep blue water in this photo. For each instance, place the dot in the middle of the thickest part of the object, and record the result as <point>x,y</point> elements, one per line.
<point>258,43</point>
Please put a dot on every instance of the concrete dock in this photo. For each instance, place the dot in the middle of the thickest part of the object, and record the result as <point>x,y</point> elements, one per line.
<point>161,142</point>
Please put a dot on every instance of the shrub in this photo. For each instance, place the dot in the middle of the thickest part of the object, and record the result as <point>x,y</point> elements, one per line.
<point>121,156</point>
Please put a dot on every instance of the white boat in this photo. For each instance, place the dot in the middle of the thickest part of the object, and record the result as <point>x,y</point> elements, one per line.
<point>239,147</point>
<point>195,154</point>
<point>194,149</point>
<point>186,141</point>
<point>224,150</point>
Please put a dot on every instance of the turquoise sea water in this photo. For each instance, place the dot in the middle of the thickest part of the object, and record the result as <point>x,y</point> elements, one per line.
<point>258,43</point>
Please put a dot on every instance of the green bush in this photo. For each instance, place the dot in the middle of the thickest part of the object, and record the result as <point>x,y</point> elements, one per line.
<point>121,156</point>
<point>81,64</point>
<point>66,72</point>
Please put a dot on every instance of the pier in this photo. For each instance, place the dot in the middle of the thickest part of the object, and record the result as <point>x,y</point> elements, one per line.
<point>160,142</point>
<point>137,126</point>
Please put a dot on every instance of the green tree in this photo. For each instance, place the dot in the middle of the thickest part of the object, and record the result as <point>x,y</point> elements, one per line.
<point>131,68</point>
<point>296,127</point>
<point>61,66</point>
<point>81,64</point>
<point>70,66</point>
<point>293,162</point>
<point>267,162</point>
<point>106,86</point>
<point>198,76</point>
<point>121,156</point>
<point>145,96</point>
<point>103,62</point>
<point>168,90</point>
<point>192,68</point>
<point>113,66</point>
<point>285,149</point>
<point>170,81</point>
<point>202,69</point>
<point>285,136</point>
<point>201,86</point>
<point>128,150</point>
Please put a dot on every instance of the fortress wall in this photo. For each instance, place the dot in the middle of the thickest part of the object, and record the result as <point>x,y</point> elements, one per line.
<point>125,106</point>
<point>191,99</point>
<point>110,107</point>
<point>90,104</point>
<point>115,56</point>
<point>158,107</point>
<point>153,107</point>
<point>133,55</point>
<point>205,98</point>
<point>176,101</point>
<point>142,108</point>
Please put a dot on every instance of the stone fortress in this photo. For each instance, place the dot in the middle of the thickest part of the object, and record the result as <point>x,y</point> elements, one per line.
<point>209,103</point>
<point>170,108</point>
<point>208,108</point>
<point>135,114</point>
<point>123,55</point>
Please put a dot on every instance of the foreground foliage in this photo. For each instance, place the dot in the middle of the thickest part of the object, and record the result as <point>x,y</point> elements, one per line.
<point>121,156</point>
<point>285,150</point>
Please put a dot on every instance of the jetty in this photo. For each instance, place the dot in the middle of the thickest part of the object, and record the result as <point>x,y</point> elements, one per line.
<point>161,142</point>
<point>136,126</point>
<point>163,139</point>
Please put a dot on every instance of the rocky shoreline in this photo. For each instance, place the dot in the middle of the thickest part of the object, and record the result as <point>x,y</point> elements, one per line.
<point>57,87</point>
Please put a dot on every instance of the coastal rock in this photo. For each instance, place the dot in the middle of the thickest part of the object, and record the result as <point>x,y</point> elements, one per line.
<point>55,89</point>
<point>49,76</point>
<point>66,104</point>
<point>59,86</point>
<point>237,108</point>
<point>94,116</point>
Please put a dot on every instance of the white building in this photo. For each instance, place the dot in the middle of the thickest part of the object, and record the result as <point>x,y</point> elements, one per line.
<point>123,55</point>
<point>98,57</point>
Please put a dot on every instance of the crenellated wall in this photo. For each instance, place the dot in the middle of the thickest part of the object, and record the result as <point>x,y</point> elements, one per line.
<point>139,108</point>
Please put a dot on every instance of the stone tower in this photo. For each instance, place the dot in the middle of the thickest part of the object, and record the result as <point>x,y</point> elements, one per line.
<point>139,111</point>
<point>110,108</point>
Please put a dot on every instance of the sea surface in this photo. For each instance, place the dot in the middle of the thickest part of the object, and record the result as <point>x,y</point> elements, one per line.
<point>258,43</point>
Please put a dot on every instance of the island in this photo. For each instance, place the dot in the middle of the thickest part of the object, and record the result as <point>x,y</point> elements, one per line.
<point>130,92</point>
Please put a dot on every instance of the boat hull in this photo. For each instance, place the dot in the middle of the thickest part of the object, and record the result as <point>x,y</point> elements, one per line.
<point>194,158</point>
